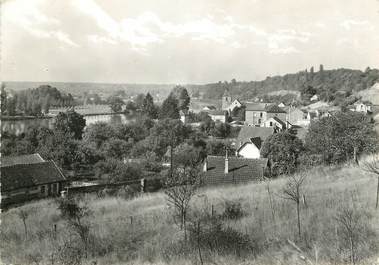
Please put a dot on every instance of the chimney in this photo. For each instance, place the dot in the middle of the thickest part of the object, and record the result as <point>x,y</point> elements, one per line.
<point>205,166</point>
<point>226,163</point>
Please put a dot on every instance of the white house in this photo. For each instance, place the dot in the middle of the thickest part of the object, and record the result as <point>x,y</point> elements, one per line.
<point>235,104</point>
<point>250,149</point>
<point>275,122</point>
<point>362,107</point>
<point>314,98</point>
<point>218,115</point>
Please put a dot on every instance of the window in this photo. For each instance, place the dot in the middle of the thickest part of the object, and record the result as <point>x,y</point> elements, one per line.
<point>54,188</point>
<point>270,123</point>
<point>259,121</point>
<point>261,114</point>
<point>43,189</point>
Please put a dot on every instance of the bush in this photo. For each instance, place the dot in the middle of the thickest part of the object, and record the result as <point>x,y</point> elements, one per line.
<point>233,210</point>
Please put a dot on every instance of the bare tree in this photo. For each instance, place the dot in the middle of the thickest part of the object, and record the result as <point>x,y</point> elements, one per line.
<point>292,191</point>
<point>371,165</point>
<point>349,222</point>
<point>23,214</point>
<point>181,187</point>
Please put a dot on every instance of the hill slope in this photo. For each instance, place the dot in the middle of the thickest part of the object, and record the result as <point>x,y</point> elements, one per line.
<point>326,82</point>
<point>142,230</point>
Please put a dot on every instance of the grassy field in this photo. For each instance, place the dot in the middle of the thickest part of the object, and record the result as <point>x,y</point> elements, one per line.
<point>142,230</point>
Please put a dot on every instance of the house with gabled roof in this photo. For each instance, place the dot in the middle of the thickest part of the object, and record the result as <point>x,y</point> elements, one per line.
<point>28,177</point>
<point>276,123</point>
<point>250,140</point>
<point>232,170</point>
<point>257,113</point>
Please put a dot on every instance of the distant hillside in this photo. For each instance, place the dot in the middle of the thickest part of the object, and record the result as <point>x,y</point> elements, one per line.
<point>327,83</point>
<point>80,88</point>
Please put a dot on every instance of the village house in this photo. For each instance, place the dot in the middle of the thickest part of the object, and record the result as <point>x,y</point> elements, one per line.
<point>277,124</point>
<point>226,100</point>
<point>364,107</point>
<point>314,98</point>
<point>296,116</point>
<point>218,115</point>
<point>209,107</point>
<point>232,170</point>
<point>250,140</point>
<point>257,113</point>
<point>28,177</point>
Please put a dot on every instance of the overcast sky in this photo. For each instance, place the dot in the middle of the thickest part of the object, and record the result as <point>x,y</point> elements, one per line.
<point>183,41</point>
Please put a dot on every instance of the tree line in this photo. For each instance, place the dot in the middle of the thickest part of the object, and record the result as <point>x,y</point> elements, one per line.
<point>33,102</point>
<point>330,85</point>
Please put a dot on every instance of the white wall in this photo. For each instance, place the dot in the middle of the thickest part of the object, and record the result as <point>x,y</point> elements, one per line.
<point>249,151</point>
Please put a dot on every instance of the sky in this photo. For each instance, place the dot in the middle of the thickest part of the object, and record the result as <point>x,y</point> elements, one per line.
<point>182,41</point>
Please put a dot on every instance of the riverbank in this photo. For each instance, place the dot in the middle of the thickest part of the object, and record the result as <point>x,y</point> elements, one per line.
<point>19,117</point>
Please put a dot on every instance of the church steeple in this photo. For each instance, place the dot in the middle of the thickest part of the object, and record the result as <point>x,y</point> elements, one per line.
<point>226,100</point>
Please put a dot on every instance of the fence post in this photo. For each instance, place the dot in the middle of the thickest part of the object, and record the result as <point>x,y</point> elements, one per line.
<point>143,182</point>
<point>131,220</point>
<point>212,210</point>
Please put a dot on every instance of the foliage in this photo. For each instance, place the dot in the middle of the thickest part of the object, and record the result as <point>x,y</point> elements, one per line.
<point>70,122</point>
<point>282,150</point>
<point>113,170</point>
<point>221,130</point>
<point>169,108</point>
<point>181,94</point>
<point>148,107</point>
<point>341,137</point>
<point>233,210</point>
<point>188,155</point>
<point>116,103</point>
<point>35,101</point>
<point>326,83</point>
<point>98,133</point>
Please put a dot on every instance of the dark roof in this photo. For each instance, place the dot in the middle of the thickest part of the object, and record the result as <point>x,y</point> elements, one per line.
<point>210,107</point>
<point>279,121</point>
<point>240,169</point>
<point>22,159</point>
<point>256,106</point>
<point>216,112</point>
<point>274,109</point>
<point>248,132</point>
<point>257,141</point>
<point>28,175</point>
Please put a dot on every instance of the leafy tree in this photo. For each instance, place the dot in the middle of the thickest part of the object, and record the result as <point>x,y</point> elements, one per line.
<point>341,137</point>
<point>115,103</point>
<point>130,107</point>
<point>188,156</point>
<point>3,98</point>
<point>70,122</point>
<point>139,100</point>
<point>148,107</point>
<point>207,125</point>
<point>184,99</point>
<point>98,133</point>
<point>115,148</point>
<point>221,130</point>
<point>169,108</point>
<point>282,150</point>
<point>166,133</point>
<point>114,170</point>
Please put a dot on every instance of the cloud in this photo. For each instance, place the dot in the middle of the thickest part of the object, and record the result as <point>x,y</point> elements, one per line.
<point>26,15</point>
<point>349,24</point>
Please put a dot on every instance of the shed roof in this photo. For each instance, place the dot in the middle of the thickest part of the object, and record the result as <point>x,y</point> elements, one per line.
<point>22,159</point>
<point>248,132</point>
<point>240,169</point>
<point>27,175</point>
<point>274,109</point>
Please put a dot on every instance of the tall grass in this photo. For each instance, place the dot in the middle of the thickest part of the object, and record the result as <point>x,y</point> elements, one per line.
<point>142,230</point>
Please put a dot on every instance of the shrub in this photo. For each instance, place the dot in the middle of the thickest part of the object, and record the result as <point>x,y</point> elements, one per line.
<point>233,210</point>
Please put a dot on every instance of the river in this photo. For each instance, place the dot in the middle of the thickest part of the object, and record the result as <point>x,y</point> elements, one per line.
<point>21,125</point>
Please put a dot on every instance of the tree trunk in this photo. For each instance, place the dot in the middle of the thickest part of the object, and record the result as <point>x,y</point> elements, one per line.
<point>198,243</point>
<point>355,155</point>
<point>377,195</point>
<point>298,218</point>
<point>25,229</point>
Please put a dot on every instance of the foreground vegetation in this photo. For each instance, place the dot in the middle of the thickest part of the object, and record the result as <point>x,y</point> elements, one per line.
<point>249,224</point>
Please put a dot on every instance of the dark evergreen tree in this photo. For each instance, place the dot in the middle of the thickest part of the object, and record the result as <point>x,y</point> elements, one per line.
<point>169,108</point>
<point>70,122</point>
<point>148,107</point>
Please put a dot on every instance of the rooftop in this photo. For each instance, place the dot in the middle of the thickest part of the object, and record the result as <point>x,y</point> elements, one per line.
<point>240,169</point>
<point>27,175</point>
<point>248,132</point>
<point>19,160</point>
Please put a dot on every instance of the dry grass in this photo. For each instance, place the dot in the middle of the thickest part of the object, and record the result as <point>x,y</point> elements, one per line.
<point>142,231</point>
